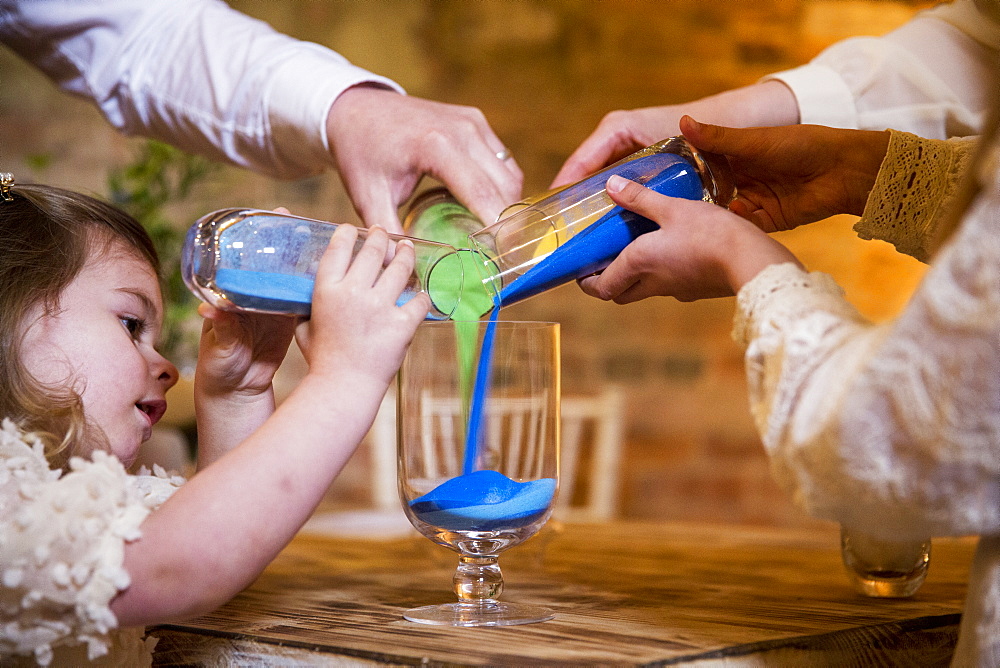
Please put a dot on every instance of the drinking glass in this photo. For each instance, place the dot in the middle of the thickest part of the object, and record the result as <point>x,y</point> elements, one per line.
<point>482,490</point>
<point>883,568</point>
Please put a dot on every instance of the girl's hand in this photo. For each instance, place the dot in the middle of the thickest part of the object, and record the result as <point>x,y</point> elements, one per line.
<point>789,176</point>
<point>237,359</point>
<point>700,251</point>
<point>356,327</point>
<point>240,352</point>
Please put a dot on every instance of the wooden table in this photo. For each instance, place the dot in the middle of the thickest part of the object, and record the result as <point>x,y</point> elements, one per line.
<point>624,594</point>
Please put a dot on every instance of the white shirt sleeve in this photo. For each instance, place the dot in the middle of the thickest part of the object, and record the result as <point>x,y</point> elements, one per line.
<point>194,73</point>
<point>929,77</point>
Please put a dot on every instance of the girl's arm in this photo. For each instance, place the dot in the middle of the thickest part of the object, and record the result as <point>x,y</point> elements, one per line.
<point>217,533</point>
<point>233,390</point>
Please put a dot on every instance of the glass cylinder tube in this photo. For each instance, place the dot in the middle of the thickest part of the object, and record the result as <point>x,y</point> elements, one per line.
<point>578,230</point>
<point>438,216</point>
<point>262,261</point>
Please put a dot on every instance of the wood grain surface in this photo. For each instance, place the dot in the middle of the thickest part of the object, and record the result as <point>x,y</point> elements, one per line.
<point>623,594</point>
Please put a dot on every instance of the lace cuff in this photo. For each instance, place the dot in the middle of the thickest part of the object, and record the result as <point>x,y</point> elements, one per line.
<point>764,302</point>
<point>914,190</point>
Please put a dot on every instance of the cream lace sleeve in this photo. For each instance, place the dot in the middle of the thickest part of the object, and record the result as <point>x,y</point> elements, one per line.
<point>62,541</point>
<point>902,416</point>
<point>914,191</point>
<point>892,429</point>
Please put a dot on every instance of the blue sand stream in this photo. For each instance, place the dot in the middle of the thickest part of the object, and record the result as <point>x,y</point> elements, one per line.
<point>486,500</point>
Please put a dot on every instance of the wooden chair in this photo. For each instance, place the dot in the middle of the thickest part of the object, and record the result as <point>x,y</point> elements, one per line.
<point>593,429</point>
<point>520,422</point>
<point>592,434</point>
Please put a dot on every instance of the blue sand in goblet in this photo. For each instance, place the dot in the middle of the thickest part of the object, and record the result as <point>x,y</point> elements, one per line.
<point>484,501</point>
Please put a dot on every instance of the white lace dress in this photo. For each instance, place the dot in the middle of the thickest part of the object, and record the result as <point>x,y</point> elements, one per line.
<point>894,428</point>
<point>62,539</point>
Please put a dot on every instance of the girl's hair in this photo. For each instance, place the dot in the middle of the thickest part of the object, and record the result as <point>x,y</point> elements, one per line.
<point>46,236</point>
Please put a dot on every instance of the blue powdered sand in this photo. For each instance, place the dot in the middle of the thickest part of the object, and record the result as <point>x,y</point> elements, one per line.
<point>266,290</point>
<point>593,249</point>
<point>484,501</point>
<point>271,291</point>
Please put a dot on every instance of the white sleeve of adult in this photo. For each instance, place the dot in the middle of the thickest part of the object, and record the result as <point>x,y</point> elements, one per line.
<point>929,77</point>
<point>194,73</point>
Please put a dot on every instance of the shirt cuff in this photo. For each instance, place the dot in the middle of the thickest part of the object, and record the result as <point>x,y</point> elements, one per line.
<point>298,103</point>
<point>822,95</point>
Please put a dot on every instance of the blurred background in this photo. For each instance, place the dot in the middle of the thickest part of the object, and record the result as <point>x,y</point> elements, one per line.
<point>544,72</point>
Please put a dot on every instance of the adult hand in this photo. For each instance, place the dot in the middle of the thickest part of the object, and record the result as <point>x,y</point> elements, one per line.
<point>622,132</point>
<point>789,176</point>
<point>384,142</point>
<point>700,251</point>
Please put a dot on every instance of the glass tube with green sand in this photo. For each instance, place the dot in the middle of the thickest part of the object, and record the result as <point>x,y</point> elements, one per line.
<point>436,215</point>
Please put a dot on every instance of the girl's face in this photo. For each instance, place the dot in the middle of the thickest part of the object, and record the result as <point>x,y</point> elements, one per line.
<point>102,342</point>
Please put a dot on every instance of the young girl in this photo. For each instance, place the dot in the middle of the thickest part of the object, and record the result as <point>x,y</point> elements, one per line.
<point>90,554</point>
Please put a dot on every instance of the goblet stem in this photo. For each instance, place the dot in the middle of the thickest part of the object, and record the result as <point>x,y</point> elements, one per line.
<point>478,578</point>
<point>478,583</point>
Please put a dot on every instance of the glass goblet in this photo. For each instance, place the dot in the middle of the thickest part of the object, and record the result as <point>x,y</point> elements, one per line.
<point>479,453</point>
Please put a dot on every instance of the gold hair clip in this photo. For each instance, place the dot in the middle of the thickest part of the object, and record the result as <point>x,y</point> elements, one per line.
<point>6,181</point>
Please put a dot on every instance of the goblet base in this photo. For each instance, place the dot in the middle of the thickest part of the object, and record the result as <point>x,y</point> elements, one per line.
<point>480,613</point>
<point>888,584</point>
